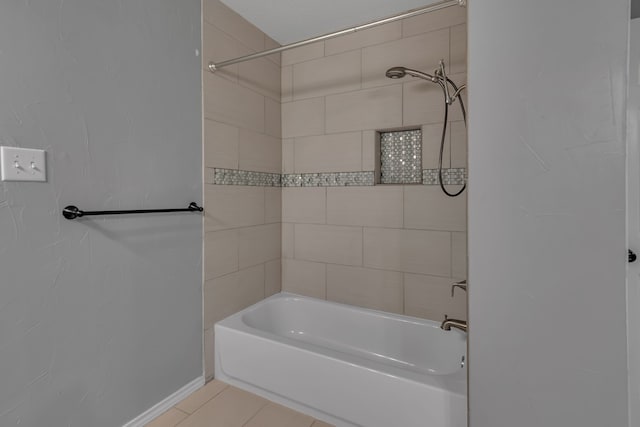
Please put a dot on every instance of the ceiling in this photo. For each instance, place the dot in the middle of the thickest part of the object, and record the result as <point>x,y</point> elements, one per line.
<point>288,21</point>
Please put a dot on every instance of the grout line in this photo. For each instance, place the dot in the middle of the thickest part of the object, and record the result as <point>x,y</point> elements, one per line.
<point>180,410</point>
<point>258,411</point>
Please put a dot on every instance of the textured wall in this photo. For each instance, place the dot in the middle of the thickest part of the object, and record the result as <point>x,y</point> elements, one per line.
<point>242,139</point>
<point>547,342</point>
<point>99,318</point>
<point>396,248</point>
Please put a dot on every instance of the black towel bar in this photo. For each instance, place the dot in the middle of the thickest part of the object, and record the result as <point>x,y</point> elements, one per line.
<point>73,212</point>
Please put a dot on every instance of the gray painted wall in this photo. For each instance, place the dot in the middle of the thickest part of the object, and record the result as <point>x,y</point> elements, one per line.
<point>100,318</point>
<point>635,8</point>
<point>547,213</point>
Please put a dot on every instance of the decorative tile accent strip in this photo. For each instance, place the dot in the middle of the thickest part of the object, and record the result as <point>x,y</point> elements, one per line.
<point>453,176</point>
<point>329,179</point>
<point>240,177</point>
<point>401,157</point>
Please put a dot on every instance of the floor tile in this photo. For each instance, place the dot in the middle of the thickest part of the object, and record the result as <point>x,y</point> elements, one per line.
<point>321,424</point>
<point>274,415</point>
<point>201,396</point>
<point>171,418</point>
<point>231,408</point>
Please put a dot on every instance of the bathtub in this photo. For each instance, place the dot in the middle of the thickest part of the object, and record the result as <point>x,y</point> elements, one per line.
<point>345,365</point>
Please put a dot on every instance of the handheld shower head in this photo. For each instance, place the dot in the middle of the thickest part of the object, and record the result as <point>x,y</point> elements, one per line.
<point>400,72</point>
<point>396,72</point>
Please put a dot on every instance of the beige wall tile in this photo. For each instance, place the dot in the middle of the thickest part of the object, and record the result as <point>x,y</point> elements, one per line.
<point>232,206</point>
<point>458,145</point>
<point>259,152</point>
<point>171,418</point>
<point>431,140</point>
<point>458,61</point>
<point>261,75</point>
<point>304,204</point>
<point>423,103</point>
<point>378,206</point>
<point>287,84</point>
<point>209,353</point>
<point>430,297</point>
<point>270,43</point>
<point>233,104</point>
<point>459,254</point>
<point>288,155</point>
<point>318,423</point>
<point>231,408</point>
<point>411,251</point>
<point>365,287</point>
<point>273,204</point>
<point>369,109</point>
<point>304,278</point>
<point>304,53</point>
<point>218,46</point>
<point>359,39</point>
<point>273,118</point>
<point>326,243</point>
<point>302,118</point>
<point>370,151</point>
<point>340,152</point>
<point>221,253</point>
<point>287,240</point>
<point>427,207</point>
<point>272,277</point>
<point>195,400</point>
<point>274,415</point>
<point>436,20</point>
<point>229,294</point>
<point>233,24</point>
<point>220,145</point>
<point>327,75</point>
<point>422,52</point>
<point>257,245</point>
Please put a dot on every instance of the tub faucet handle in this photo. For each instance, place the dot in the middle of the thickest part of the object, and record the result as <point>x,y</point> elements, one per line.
<point>461,284</point>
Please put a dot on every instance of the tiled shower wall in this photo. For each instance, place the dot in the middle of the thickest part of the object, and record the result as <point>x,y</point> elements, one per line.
<point>241,133</point>
<point>396,248</point>
<point>391,247</point>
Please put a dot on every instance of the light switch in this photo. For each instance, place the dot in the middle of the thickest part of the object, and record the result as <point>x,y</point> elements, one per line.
<point>23,164</point>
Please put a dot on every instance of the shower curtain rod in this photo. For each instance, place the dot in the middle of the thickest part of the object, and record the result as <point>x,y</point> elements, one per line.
<point>213,67</point>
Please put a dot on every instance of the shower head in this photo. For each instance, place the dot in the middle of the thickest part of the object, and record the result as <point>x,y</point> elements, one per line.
<point>396,72</point>
<point>400,72</point>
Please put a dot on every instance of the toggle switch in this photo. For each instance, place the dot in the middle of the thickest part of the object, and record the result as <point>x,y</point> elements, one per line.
<point>22,164</point>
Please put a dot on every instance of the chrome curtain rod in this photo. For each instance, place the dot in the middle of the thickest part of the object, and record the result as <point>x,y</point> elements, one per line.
<point>73,212</point>
<point>213,67</point>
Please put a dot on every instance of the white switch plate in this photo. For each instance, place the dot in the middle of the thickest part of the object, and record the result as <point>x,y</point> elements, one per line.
<point>23,164</point>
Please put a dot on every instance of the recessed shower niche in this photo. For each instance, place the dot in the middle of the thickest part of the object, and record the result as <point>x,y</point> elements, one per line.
<point>401,157</point>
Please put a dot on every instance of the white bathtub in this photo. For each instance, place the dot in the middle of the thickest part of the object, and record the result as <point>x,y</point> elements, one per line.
<point>345,365</point>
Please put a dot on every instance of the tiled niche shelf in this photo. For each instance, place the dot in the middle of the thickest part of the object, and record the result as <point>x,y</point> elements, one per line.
<point>401,157</point>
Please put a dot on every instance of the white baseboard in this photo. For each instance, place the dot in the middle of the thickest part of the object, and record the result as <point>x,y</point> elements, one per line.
<point>163,406</point>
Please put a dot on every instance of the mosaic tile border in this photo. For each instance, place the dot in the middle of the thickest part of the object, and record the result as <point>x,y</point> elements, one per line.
<point>219,176</point>
<point>329,179</point>
<point>453,176</point>
<point>249,178</point>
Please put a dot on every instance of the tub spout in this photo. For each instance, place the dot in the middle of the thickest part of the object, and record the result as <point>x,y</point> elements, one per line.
<point>447,324</point>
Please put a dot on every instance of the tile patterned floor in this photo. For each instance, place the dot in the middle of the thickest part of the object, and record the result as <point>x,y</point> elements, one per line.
<point>220,405</point>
